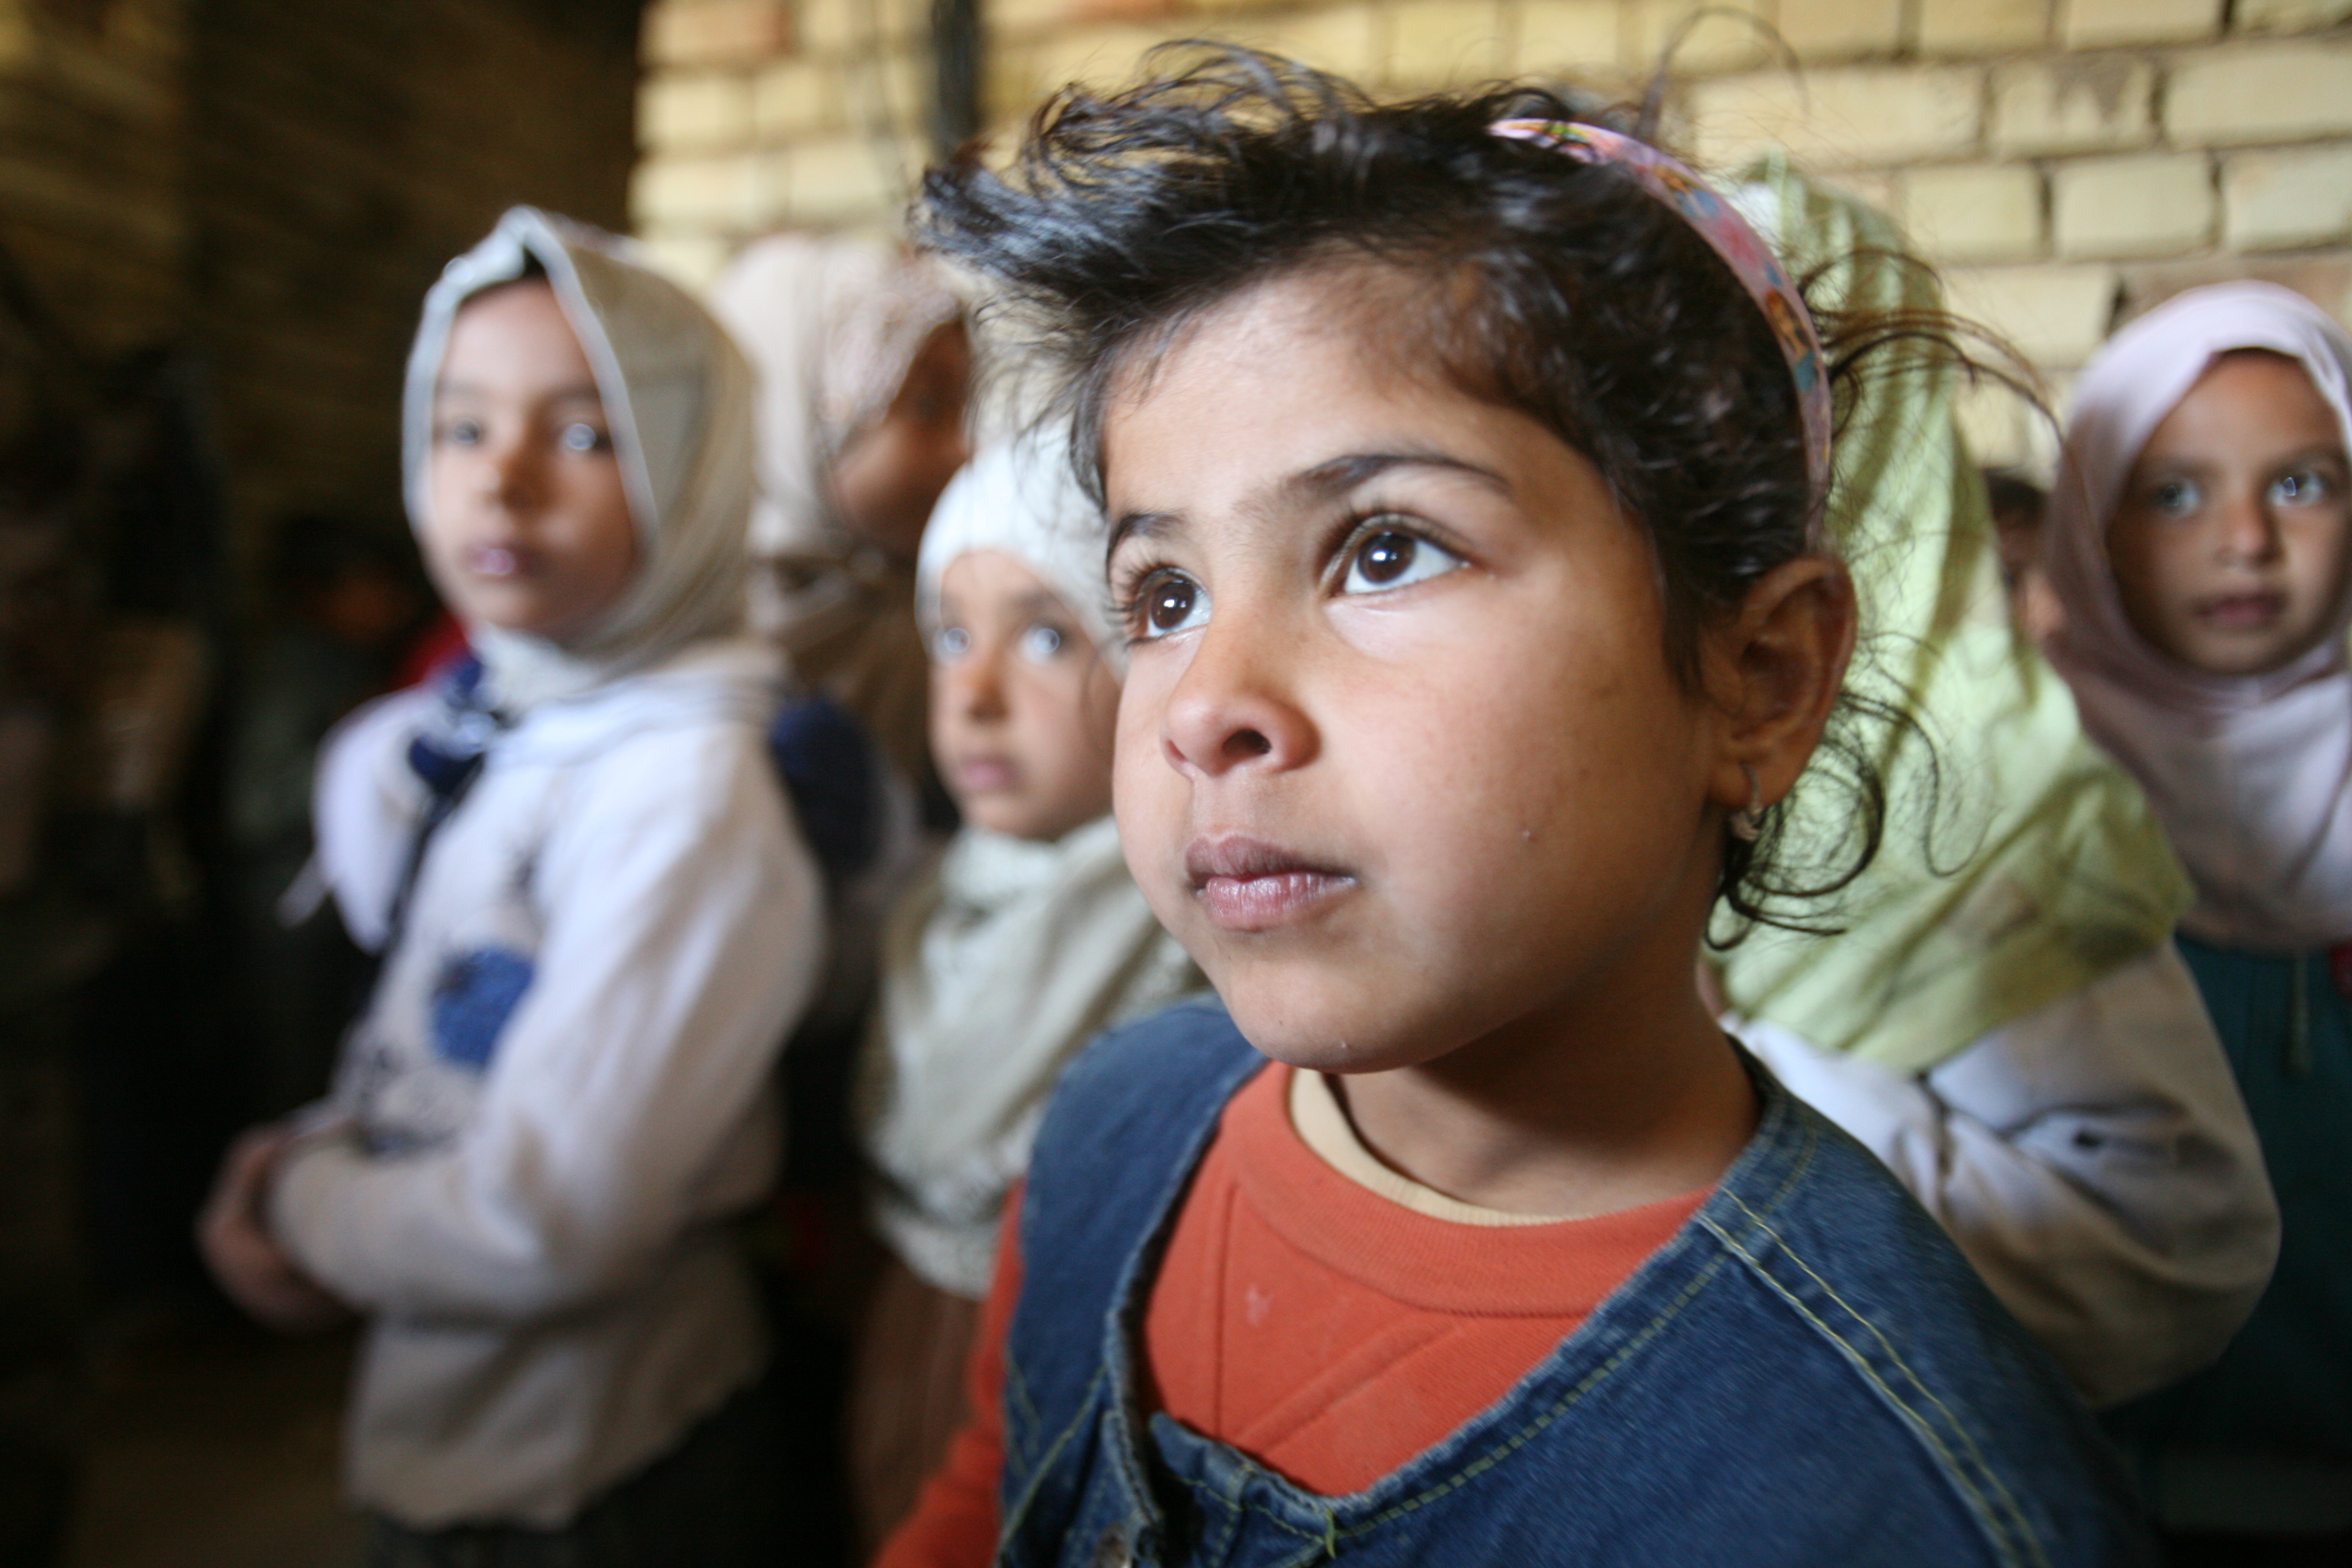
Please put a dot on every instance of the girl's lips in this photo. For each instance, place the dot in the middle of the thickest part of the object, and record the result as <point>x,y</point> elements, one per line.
<point>1247,885</point>
<point>984,775</point>
<point>495,561</point>
<point>2241,611</point>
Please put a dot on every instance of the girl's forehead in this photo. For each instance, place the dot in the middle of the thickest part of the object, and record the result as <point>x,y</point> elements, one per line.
<point>1382,313</point>
<point>1297,395</point>
<point>2245,394</point>
<point>514,337</point>
<point>992,577</point>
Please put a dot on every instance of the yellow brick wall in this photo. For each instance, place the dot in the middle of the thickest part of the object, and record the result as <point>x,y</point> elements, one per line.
<point>93,118</point>
<point>2066,161</point>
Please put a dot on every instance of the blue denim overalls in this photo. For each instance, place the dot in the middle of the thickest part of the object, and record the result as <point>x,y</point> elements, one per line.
<point>1807,1373</point>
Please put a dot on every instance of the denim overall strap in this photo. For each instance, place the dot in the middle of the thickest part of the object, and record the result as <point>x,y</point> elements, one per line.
<point>1126,1128</point>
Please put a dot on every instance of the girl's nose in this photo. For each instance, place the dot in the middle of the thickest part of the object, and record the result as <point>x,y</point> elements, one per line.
<point>2249,529</point>
<point>976,684</point>
<point>1233,706</point>
<point>508,472</point>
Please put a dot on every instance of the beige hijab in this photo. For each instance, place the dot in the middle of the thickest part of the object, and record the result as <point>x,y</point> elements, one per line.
<point>677,395</point>
<point>831,324</point>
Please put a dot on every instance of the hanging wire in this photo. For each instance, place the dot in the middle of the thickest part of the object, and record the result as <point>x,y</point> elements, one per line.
<point>955,74</point>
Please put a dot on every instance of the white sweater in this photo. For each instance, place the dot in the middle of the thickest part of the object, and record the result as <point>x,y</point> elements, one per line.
<point>2093,1160</point>
<point>562,1089</point>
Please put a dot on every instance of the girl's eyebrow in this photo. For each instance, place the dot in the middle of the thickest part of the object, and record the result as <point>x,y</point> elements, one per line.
<point>1324,482</point>
<point>585,391</point>
<point>1140,525</point>
<point>1039,602</point>
<point>2196,467</point>
<point>1327,481</point>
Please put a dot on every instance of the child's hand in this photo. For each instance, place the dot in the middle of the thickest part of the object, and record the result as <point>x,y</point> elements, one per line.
<point>246,1261</point>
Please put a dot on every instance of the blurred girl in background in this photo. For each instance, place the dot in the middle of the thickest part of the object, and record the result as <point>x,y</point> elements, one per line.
<point>2198,544</point>
<point>597,924</point>
<point>1027,939</point>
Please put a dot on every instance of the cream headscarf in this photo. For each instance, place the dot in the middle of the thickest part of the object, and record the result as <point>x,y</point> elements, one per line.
<point>1021,496</point>
<point>2042,867</point>
<point>831,324</point>
<point>2253,775</point>
<point>677,395</point>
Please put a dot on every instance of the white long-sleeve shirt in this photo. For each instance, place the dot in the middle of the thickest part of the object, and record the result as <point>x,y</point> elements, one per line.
<point>2093,1160</point>
<point>562,1089</point>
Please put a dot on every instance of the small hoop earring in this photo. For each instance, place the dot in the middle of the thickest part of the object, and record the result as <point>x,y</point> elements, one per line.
<point>1748,821</point>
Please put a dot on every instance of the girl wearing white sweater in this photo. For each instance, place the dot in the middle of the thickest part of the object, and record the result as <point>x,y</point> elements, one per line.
<point>597,924</point>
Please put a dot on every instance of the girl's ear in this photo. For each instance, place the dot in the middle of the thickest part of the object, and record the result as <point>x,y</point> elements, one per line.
<point>1772,672</point>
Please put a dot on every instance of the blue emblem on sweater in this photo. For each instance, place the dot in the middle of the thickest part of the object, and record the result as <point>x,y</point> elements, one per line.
<point>472,1000</point>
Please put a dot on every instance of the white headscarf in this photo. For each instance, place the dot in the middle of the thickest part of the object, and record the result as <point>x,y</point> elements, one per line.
<point>2252,774</point>
<point>831,324</point>
<point>678,396</point>
<point>1021,496</point>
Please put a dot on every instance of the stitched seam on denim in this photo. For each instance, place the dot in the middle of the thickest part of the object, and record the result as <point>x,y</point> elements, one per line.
<point>1958,1426</point>
<point>1013,1515</point>
<point>1949,1462</point>
<point>1017,1391</point>
<point>1797,1170</point>
<point>2008,1499</point>
<point>1126,1456</point>
<point>1245,1467</point>
<point>1519,1439</point>
<point>1230,1526</point>
<point>1799,1164</point>
<point>1017,1388</point>
<point>1229,1501</point>
<point>1324,1547</point>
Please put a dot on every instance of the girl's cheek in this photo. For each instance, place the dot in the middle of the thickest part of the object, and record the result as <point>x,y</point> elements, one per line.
<point>1135,724</point>
<point>1099,695</point>
<point>1138,765</point>
<point>1406,629</point>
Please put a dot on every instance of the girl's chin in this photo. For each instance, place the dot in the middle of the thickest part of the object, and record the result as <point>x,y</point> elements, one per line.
<point>1311,1037</point>
<point>2239,658</point>
<point>524,620</point>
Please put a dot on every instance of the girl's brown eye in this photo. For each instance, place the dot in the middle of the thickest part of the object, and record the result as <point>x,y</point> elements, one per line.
<point>1172,604</point>
<point>1392,558</point>
<point>1386,557</point>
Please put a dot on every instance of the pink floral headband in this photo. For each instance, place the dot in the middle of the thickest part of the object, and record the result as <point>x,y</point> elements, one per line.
<point>1728,234</point>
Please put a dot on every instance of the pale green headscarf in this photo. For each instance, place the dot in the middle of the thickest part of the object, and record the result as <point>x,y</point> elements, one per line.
<point>2041,866</point>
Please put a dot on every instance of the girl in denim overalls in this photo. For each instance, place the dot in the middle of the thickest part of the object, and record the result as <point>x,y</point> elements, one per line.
<point>1464,466</point>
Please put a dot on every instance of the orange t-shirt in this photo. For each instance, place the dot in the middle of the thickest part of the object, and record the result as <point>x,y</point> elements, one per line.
<point>1330,1332</point>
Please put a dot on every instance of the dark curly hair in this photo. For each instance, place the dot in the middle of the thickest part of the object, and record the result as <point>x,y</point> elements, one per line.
<point>1591,306</point>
